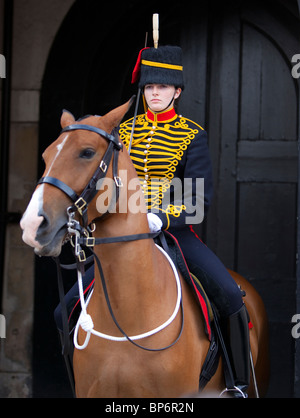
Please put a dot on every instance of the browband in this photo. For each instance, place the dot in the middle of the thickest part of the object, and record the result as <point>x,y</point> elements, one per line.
<point>91,128</point>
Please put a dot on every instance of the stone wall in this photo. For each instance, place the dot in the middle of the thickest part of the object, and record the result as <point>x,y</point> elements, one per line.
<point>35,25</point>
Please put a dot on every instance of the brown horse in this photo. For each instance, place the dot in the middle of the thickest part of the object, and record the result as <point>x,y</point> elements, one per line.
<point>140,280</point>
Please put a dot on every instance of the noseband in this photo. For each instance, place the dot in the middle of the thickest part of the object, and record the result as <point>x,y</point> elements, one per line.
<point>81,202</point>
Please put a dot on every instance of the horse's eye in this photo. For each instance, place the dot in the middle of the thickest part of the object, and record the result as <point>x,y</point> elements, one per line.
<point>87,153</point>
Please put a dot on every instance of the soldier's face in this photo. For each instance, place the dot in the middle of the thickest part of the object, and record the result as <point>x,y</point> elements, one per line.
<point>160,96</point>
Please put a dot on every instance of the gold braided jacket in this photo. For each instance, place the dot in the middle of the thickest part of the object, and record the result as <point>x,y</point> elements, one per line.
<point>166,146</point>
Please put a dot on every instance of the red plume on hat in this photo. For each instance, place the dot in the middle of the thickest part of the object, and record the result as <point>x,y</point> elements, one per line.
<point>137,69</point>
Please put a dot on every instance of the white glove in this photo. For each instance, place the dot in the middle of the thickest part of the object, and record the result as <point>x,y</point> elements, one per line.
<point>155,223</point>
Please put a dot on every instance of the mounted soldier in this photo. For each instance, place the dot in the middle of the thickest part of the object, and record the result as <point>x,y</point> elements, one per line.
<point>170,154</point>
<point>167,146</point>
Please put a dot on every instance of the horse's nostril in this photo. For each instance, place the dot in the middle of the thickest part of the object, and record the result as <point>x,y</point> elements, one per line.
<point>44,224</point>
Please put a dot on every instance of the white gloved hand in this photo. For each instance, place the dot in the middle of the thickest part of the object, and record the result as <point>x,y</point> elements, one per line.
<point>155,223</point>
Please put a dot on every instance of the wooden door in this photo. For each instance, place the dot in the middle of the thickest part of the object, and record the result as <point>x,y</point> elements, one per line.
<point>242,91</point>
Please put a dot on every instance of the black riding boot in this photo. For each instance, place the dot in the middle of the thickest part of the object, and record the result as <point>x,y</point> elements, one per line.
<point>68,357</point>
<point>238,346</point>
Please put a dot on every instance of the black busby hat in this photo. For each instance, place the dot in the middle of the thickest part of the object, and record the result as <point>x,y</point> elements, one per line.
<point>162,65</point>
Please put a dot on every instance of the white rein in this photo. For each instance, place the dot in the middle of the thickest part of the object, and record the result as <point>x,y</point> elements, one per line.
<point>86,322</point>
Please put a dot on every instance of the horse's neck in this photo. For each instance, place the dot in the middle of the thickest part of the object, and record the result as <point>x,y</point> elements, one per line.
<point>123,263</point>
<point>131,258</point>
<point>135,275</point>
<point>126,258</point>
<point>135,272</point>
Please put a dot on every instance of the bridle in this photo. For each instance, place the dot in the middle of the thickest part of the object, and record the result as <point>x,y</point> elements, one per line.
<point>80,203</point>
<point>81,232</point>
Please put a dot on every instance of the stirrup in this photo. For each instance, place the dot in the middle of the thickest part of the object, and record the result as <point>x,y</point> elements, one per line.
<point>235,389</point>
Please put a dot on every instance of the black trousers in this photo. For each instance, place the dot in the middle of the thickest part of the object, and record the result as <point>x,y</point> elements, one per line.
<point>216,280</point>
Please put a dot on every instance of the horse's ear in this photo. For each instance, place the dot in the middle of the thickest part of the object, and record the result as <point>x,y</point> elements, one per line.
<point>66,118</point>
<point>114,117</point>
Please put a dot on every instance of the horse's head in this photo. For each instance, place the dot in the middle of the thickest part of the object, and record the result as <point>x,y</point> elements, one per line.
<point>72,159</point>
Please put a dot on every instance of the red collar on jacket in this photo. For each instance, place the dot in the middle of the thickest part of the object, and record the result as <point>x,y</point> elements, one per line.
<point>163,116</point>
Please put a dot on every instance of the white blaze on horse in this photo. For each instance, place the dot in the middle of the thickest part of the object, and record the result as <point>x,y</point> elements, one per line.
<point>139,278</point>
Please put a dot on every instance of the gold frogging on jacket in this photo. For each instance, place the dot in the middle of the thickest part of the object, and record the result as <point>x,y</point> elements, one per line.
<point>157,148</point>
